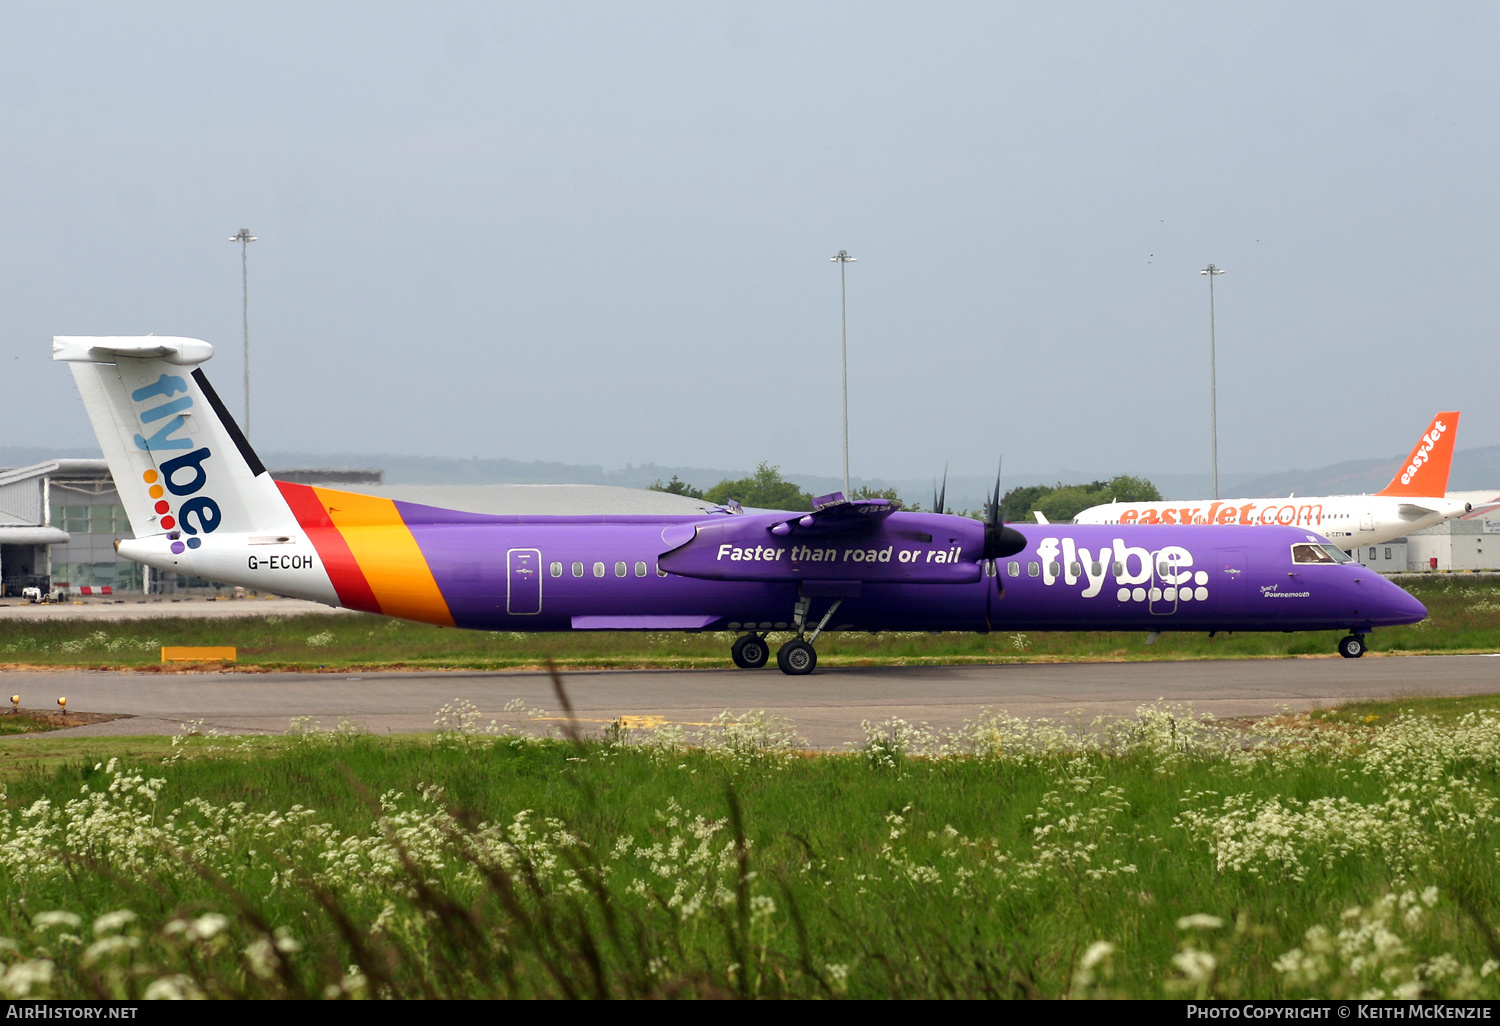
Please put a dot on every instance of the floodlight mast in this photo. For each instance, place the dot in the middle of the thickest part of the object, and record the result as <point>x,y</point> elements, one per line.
<point>244,238</point>
<point>844,259</point>
<point>1213,375</point>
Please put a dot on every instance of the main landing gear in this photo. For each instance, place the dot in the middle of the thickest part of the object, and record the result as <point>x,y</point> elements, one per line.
<point>1352,646</point>
<point>750,652</point>
<point>797,657</point>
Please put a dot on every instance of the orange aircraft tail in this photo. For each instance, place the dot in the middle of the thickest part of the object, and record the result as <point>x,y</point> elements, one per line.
<point>1426,469</point>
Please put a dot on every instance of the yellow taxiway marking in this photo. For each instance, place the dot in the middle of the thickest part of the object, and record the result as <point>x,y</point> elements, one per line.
<point>629,722</point>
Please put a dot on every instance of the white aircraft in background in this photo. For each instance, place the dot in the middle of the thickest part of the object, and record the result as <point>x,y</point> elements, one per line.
<point>1416,498</point>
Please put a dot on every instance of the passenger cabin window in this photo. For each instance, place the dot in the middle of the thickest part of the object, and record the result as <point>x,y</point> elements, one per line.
<point>989,568</point>
<point>620,569</point>
<point>598,569</point>
<point>577,569</point>
<point>1307,552</point>
<point>660,572</point>
<point>1033,569</point>
<point>1056,568</point>
<point>640,569</point>
<point>556,569</point>
<point>1013,568</point>
<point>1119,568</point>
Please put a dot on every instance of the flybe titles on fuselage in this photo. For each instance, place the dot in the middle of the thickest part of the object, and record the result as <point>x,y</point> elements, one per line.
<point>1130,573</point>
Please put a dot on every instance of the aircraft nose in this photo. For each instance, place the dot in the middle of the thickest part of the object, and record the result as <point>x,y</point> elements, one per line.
<point>1399,606</point>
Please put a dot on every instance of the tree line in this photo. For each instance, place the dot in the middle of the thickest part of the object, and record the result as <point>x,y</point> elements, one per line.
<point>767,489</point>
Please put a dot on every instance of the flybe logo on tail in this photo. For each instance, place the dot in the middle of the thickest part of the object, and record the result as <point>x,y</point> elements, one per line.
<point>182,477</point>
<point>166,386</point>
<point>1429,442</point>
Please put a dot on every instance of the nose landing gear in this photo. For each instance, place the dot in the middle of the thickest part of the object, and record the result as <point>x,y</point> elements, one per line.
<point>1352,646</point>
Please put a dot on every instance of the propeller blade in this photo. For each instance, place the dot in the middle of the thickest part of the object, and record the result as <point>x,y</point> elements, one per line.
<point>939,498</point>
<point>999,541</point>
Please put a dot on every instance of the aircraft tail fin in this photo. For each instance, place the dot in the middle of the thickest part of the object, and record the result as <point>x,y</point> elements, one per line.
<point>1425,471</point>
<point>180,463</point>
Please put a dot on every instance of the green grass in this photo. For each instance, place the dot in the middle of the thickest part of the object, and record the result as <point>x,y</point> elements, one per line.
<point>1465,617</point>
<point>29,722</point>
<point>1444,710</point>
<point>882,873</point>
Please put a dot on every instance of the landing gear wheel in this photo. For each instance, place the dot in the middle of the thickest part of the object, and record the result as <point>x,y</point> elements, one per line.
<point>750,652</point>
<point>797,658</point>
<point>1352,647</point>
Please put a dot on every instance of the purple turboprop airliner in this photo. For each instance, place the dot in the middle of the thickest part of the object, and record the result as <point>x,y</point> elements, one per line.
<point>201,503</point>
<point>866,565</point>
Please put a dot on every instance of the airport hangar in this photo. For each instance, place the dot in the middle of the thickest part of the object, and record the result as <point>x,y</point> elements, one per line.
<point>59,520</point>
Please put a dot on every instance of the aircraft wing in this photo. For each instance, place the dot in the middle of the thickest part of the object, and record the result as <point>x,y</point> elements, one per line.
<point>832,514</point>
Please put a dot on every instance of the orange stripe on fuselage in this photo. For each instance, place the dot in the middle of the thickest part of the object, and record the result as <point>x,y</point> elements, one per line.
<point>388,555</point>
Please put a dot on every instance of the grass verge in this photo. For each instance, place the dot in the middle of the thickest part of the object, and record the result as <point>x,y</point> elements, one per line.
<point>1166,856</point>
<point>1465,617</point>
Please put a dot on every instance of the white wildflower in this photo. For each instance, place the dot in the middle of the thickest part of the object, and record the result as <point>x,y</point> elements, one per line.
<point>21,978</point>
<point>1200,921</point>
<point>174,988</point>
<point>1096,953</point>
<point>42,920</point>
<point>109,946</point>
<point>113,921</point>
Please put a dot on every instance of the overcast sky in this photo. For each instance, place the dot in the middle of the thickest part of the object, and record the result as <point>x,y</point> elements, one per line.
<point>600,233</point>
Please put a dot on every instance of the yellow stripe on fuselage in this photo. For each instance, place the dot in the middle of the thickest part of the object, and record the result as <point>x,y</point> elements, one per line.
<point>388,555</point>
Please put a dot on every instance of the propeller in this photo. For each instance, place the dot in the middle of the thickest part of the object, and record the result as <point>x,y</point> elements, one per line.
<point>999,541</point>
<point>938,505</point>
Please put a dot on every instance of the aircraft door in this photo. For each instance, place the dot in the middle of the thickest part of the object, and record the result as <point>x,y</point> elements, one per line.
<point>1163,594</point>
<point>1366,521</point>
<point>1228,586</point>
<point>523,582</point>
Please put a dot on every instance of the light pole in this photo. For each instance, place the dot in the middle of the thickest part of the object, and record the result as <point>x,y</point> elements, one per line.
<point>244,238</point>
<point>1213,375</point>
<point>843,260</point>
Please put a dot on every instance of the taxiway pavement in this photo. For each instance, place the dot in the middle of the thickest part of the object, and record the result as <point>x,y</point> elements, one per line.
<point>827,707</point>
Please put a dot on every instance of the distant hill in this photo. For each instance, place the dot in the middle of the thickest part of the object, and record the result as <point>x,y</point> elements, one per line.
<point>1472,469</point>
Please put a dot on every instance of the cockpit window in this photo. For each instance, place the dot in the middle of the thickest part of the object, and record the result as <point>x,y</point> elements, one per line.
<point>1338,554</point>
<point>1307,552</point>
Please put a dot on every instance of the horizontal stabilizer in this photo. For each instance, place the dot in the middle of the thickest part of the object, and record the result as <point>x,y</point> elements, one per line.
<point>1411,511</point>
<point>183,352</point>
